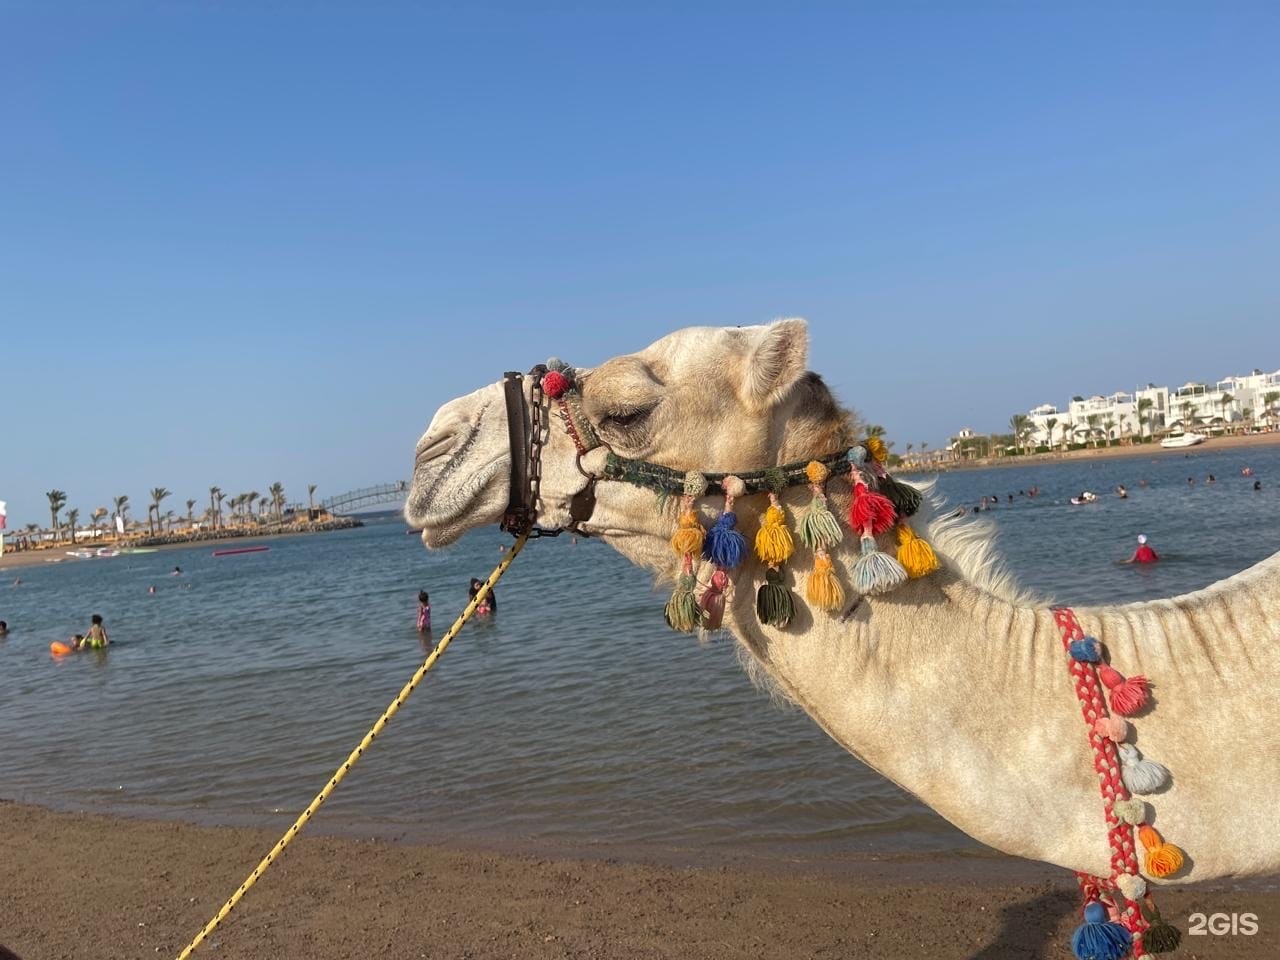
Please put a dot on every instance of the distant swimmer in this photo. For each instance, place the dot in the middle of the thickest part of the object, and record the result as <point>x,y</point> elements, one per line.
<point>151,589</point>
<point>96,638</point>
<point>1212,479</point>
<point>1191,481</point>
<point>177,572</point>
<point>1247,472</point>
<point>489,604</point>
<point>1257,484</point>
<point>1121,492</point>
<point>4,629</point>
<point>1144,553</point>
<point>424,612</point>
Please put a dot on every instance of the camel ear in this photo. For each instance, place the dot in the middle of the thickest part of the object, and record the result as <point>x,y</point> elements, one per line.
<point>778,359</point>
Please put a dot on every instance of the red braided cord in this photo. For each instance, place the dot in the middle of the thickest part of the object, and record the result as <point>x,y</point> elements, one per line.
<point>1106,761</point>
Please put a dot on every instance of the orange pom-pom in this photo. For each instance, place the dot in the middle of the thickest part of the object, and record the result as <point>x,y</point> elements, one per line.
<point>817,472</point>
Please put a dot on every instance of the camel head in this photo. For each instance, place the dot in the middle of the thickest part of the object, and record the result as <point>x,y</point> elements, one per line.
<point>703,398</point>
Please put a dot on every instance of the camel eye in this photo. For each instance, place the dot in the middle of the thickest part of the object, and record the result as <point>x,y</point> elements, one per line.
<point>627,418</point>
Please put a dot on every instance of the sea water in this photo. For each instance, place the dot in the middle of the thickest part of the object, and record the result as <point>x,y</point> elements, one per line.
<point>572,719</point>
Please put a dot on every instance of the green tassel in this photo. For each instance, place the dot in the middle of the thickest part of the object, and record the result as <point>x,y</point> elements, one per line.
<point>1161,937</point>
<point>682,609</point>
<point>774,604</point>
<point>818,528</point>
<point>905,498</point>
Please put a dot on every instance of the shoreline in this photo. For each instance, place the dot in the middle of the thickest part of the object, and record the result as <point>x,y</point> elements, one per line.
<point>31,558</point>
<point>152,885</point>
<point>1149,450</point>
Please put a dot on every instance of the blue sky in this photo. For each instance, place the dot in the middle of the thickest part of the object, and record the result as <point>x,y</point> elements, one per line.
<point>242,243</point>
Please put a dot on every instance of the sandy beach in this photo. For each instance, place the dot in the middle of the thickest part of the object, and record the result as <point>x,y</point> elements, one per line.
<point>86,886</point>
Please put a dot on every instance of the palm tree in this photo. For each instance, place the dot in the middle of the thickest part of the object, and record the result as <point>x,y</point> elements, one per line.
<point>98,515</point>
<point>277,499</point>
<point>1144,404</point>
<point>1093,420</point>
<point>311,499</point>
<point>1269,401</point>
<point>72,517</point>
<point>157,494</point>
<point>1050,424</point>
<point>1108,423</point>
<point>1246,414</point>
<point>1018,426</point>
<point>57,500</point>
<point>191,520</point>
<point>215,503</point>
<point>121,503</point>
<point>1225,401</point>
<point>1188,420</point>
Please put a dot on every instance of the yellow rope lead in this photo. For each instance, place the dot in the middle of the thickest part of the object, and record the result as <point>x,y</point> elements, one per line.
<point>350,762</point>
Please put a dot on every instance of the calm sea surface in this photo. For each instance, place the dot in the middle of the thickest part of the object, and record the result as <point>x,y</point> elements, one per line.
<point>573,719</point>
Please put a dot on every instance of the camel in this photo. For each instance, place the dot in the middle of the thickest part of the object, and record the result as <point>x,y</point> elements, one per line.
<point>954,686</point>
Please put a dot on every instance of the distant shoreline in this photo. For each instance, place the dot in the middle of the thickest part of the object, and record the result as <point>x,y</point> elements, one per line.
<point>1148,450</point>
<point>31,558</point>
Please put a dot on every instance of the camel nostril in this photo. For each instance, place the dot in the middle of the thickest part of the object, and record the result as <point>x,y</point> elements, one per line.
<point>434,446</point>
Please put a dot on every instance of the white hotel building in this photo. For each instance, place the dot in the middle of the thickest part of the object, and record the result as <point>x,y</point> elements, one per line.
<point>1191,406</point>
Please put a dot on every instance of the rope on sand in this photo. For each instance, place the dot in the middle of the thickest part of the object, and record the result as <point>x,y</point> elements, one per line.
<point>355,754</point>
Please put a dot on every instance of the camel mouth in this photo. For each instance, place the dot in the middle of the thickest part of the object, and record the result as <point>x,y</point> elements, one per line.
<point>450,493</point>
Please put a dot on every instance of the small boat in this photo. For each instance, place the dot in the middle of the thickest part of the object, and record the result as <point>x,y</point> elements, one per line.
<point>108,552</point>
<point>80,554</point>
<point>1182,440</point>
<point>235,550</point>
<point>133,550</point>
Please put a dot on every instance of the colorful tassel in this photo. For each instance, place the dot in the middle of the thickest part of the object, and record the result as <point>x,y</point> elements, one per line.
<point>1162,859</point>
<point>876,449</point>
<point>724,545</point>
<point>1139,775</point>
<point>1099,939</point>
<point>689,532</point>
<point>1161,936</point>
<point>821,587</point>
<point>876,572</point>
<point>1127,696</point>
<point>1132,811</point>
<point>818,528</point>
<point>712,601</point>
<point>914,553</point>
<point>773,541</point>
<point>905,498</point>
<point>774,604</point>
<point>870,510</point>
<point>682,609</point>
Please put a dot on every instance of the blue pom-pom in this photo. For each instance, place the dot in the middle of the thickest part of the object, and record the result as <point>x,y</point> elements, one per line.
<point>1086,650</point>
<point>1098,939</point>
<point>857,455</point>
<point>724,546</point>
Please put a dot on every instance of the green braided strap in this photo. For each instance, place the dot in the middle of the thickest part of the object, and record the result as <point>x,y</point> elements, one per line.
<point>666,481</point>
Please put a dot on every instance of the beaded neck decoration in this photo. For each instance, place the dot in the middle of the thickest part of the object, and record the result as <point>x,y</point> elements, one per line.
<point>879,504</point>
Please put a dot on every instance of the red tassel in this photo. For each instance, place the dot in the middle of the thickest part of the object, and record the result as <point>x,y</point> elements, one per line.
<point>712,601</point>
<point>1109,675</point>
<point>874,509</point>
<point>1129,696</point>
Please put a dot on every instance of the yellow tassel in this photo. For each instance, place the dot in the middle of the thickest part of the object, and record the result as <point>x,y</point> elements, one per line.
<point>1162,859</point>
<point>773,541</point>
<point>822,588</point>
<point>879,452</point>
<point>688,535</point>
<point>915,554</point>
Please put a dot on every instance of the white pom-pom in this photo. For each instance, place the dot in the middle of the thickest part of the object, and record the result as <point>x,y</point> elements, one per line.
<point>733,486</point>
<point>1131,885</point>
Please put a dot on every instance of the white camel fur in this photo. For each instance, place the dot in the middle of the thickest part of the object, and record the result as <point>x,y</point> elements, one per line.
<point>954,686</point>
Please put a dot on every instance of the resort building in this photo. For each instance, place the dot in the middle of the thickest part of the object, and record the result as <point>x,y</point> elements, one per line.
<point>1232,403</point>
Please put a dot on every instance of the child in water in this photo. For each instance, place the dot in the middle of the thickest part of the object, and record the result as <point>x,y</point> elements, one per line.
<point>490,602</point>
<point>424,612</point>
<point>97,637</point>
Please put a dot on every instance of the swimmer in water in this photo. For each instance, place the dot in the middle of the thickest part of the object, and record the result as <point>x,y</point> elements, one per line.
<point>1121,492</point>
<point>424,612</point>
<point>1144,553</point>
<point>97,637</point>
<point>489,604</point>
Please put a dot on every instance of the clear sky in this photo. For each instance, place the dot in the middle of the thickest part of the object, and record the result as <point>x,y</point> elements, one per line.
<point>242,243</point>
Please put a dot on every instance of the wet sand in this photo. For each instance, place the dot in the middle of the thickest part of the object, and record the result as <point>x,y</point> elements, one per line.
<point>85,886</point>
